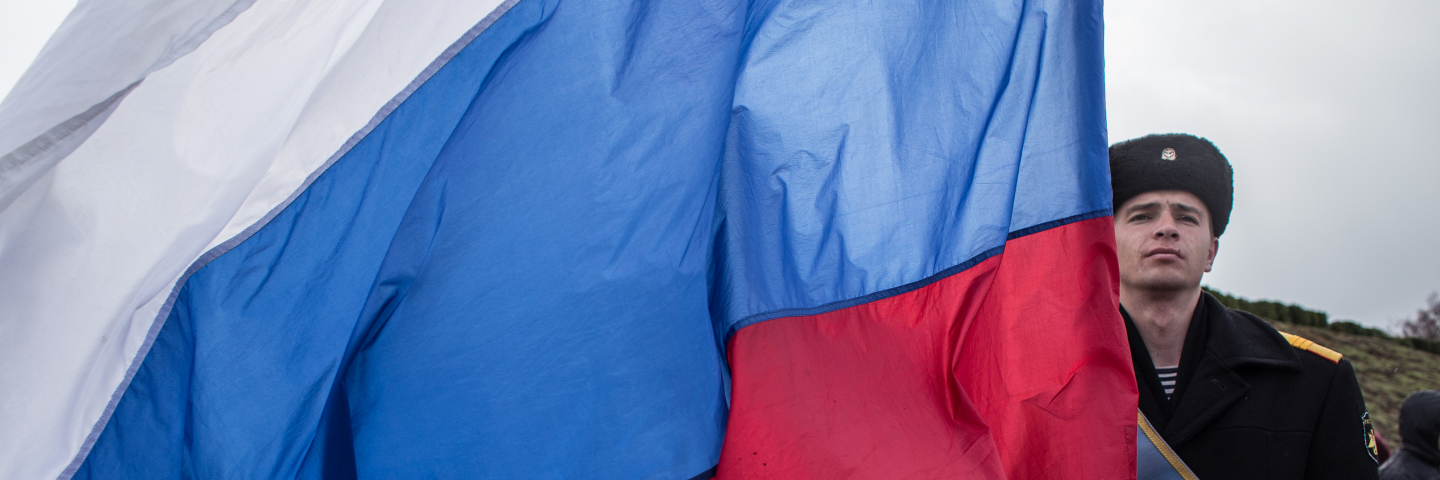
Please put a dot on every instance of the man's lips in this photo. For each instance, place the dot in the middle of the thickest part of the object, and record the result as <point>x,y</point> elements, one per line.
<point>1164,253</point>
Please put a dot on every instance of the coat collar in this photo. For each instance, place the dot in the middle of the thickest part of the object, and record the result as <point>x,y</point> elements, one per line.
<point>1241,339</point>
<point>1234,339</point>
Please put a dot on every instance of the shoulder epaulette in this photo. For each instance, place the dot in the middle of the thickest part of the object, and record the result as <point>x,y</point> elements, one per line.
<point>1312,347</point>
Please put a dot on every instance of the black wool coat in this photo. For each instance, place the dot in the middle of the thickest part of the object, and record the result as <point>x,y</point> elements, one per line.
<point>1248,405</point>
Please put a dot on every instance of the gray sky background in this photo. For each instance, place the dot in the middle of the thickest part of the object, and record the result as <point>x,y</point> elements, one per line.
<point>1329,112</point>
<point>25,25</point>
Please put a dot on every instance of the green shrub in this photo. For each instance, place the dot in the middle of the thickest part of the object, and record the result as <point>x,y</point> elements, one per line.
<point>1346,326</point>
<point>1295,314</point>
<point>1421,344</point>
<point>1276,311</point>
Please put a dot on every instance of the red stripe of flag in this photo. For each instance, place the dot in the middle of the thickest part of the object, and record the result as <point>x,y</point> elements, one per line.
<point>1016,368</point>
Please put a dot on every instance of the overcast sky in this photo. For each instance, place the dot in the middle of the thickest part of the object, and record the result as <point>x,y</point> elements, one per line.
<point>25,25</point>
<point>1329,112</point>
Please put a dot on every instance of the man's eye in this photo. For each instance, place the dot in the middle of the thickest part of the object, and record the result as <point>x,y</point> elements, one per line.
<point>1139,217</point>
<point>1187,218</point>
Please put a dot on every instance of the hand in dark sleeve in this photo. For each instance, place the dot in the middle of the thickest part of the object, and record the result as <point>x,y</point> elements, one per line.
<point>1340,448</point>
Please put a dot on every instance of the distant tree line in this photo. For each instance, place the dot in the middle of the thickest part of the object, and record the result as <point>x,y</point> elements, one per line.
<point>1274,310</point>
<point>1420,333</point>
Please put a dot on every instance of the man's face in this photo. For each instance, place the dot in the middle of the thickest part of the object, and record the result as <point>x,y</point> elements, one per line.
<point>1163,240</point>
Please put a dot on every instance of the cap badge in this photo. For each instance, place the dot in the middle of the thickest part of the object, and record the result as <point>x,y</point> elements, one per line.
<point>1167,154</point>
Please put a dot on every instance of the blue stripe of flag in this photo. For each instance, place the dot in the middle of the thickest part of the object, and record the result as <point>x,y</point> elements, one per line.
<point>473,269</point>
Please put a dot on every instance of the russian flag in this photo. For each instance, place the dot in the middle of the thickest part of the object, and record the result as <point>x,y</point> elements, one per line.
<point>562,239</point>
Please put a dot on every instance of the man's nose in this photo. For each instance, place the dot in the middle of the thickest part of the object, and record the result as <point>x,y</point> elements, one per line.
<point>1167,229</point>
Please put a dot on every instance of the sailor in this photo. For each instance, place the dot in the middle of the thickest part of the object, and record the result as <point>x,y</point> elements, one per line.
<point>1225,392</point>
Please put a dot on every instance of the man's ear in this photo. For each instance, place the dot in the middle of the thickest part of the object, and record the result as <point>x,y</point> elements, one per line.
<point>1210,258</point>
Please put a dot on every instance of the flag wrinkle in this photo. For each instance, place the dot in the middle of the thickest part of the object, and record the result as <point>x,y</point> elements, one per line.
<point>28,96</point>
<point>425,75</point>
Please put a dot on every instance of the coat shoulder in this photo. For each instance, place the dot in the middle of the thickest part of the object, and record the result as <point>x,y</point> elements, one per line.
<point>1312,347</point>
<point>1240,338</point>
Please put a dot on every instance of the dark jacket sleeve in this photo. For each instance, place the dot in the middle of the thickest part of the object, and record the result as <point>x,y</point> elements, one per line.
<point>1338,450</point>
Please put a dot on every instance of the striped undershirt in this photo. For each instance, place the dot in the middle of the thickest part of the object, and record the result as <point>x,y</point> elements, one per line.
<point>1167,379</point>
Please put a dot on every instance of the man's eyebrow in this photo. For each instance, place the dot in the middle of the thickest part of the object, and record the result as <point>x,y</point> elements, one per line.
<point>1143,206</point>
<point>1186,208</point>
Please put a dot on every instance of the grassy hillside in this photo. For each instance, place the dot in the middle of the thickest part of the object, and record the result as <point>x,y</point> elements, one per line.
<point>1387,371</point>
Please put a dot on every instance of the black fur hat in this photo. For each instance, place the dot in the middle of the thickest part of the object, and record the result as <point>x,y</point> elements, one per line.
<point>1174,161</point>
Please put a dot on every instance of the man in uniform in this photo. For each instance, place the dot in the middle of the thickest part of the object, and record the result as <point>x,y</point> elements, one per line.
<point>1233,397</point>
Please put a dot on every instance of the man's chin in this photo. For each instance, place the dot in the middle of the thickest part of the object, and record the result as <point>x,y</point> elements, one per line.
<point>1165,284</point>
